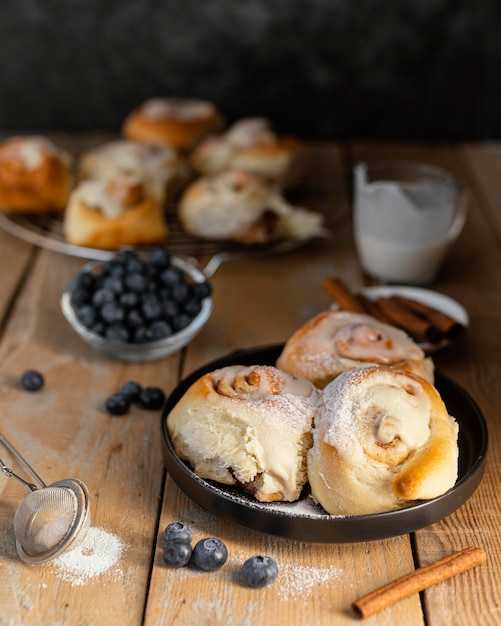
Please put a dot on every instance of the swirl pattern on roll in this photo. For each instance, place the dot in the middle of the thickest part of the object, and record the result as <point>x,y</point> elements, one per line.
<point>247,426</point>
<point>382,440</point>
<point>337,341</point>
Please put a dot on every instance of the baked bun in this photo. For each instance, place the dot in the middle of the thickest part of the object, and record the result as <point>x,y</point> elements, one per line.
<point>249,145</point>
<point>334,341</point>
<point>176,122</point>
<point>117,210</point>
<point>239,206</point>
<point>247,426</point>
<point>161,167</point>
<point>35,175</point>
<point>382,440</point>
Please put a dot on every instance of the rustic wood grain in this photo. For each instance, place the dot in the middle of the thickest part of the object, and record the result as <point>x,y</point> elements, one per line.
<point>64,431</point>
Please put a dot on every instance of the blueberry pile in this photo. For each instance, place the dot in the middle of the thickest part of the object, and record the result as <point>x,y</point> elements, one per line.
<point>150,398</point>
<point>210,554</point>
<point>129,299</point>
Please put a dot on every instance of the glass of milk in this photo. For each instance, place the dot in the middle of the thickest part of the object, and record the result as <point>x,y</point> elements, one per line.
<point>405,217</point>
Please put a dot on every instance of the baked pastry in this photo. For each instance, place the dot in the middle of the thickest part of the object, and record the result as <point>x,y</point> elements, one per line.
<point>249,145</point>
<point>335,341</point>
<point>117,210</point>
<point>238,206</point>
<point>161,167</point>
<point>382,440</point>
<point>35,175</point>
<point>176,122</point>
<point>247,426</point>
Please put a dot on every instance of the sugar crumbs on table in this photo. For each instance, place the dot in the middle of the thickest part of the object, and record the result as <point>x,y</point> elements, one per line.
<point>99,552</point>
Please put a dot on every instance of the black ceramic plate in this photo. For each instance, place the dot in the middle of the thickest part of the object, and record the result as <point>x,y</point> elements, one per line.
<point>304,520</point>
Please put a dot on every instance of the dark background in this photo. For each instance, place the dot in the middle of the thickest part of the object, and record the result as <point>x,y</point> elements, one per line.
<point>323,69</point>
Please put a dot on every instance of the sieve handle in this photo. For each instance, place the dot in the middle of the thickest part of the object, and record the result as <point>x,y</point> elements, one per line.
<point>23,461</point>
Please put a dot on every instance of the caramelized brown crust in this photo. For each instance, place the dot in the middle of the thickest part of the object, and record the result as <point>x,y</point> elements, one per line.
<point>35,176</point>
<point>163,121</point>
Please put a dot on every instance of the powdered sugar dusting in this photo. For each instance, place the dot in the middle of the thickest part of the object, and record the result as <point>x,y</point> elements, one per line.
<point>298,581</point>
<point>100,552</point>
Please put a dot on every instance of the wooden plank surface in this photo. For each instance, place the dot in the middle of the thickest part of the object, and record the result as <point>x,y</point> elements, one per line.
<point>64,431</point>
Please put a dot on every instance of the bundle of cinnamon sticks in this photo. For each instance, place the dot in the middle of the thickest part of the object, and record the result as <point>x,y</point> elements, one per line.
<point>422,322</point>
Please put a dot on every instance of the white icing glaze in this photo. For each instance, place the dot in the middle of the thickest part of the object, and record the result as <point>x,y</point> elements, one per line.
<point>188,110</point>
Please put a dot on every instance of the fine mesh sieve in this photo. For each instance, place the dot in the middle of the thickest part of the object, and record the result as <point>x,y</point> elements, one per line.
<point>49,519</point>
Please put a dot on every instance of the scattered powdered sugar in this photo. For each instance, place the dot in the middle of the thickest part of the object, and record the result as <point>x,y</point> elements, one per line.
<point>298,581</point>
<point>99,552</point>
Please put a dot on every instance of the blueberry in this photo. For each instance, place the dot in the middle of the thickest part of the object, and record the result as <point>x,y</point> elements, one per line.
<point>142,334</point>
<point>99,328</point>
<point>180,321</point>
<point>259,571</point>
<point>80,296</point>
<point>177,553</point>
<point>192,307</point>
<point>114,283</point>
<point>210,554</point>
<point>136,281</point>
<point>87,314</point>
<point>152,398</point>
<point>201,290</point>
<point>85,280</point>
<point>131,390</point>
<point>31,380</point>
<point>171,276</point>
<point>112,312</point>
<point>180,292</point>
<point>169,308</point>
<point>117,404</point>
<point>151,307</point>
<point>159,257</point>
<point>177,531</point>
<point>159,330</point>
<point>134,319</point>
<point>129,299</point>
<point>117,333</point>
<point>101,296</point>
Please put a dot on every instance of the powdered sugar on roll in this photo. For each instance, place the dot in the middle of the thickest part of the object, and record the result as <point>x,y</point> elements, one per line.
<point>382,439</point>
<point>247,425</point>
<point>337,341</point>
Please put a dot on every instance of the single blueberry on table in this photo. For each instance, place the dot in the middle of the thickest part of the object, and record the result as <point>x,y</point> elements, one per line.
<point>152,398</point>
<point>131,390</point>
<point>210,554</point>
<point>32,380</point>
<point>178,531</point>
<point>259,571</point>
<point>117,404</point>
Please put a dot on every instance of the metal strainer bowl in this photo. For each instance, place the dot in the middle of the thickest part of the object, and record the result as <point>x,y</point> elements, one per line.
<point>49,519</point>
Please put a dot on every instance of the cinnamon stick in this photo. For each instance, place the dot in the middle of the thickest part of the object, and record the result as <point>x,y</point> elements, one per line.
<point>447,325</point>
<point>339,292</point>
<point>418,580</point>
<point>413,324</point>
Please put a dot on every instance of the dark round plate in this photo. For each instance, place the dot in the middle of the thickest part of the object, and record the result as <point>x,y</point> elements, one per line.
<point>304,520</point>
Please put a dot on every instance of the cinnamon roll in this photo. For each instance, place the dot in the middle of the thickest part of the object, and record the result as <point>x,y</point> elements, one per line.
<point>35,175</point>
<point>176,122</point>
<point>238,206</point>
<point>382,440</point>
<point>335,341</point>
<point>117,210</point>
<point>161,167</point>
<point>247,426</point>
<point>249,145</point>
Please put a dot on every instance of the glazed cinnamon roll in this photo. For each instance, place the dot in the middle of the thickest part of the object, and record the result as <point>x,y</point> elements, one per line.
<point>336,341</point>
<point>176,122</point>
<point>238,206</point>
<point>382,440</point>
<point>161,167</point>
<point>247,426</point>
<point>35,175</point>
<point>249,145</point>
<point>117,210</point>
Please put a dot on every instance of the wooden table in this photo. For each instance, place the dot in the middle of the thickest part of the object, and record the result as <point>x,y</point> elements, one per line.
<point>64,431</point>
